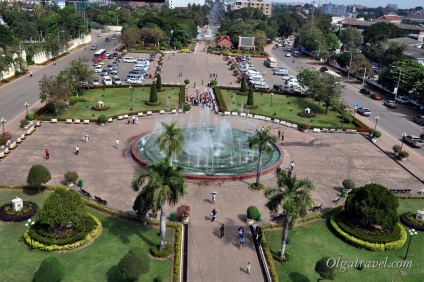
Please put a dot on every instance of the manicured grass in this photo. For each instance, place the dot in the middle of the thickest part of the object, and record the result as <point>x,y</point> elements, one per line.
<point>311,242</point>
<point>119,99</point>
<point>285,107</point>
<point>95,262</point>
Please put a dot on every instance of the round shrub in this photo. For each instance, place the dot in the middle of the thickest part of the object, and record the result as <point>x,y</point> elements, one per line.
<point>214,82</point>
<point>252,212</point>
<point>305,126</point>
<point>257,188</point>
<point>24,122</point>
<point>37,175</point>
<point>100,108</point>
<point>347,118</point>
<point>4,137</point>
<point>403,155</point>
<point>233,66</point>
<point>8,214</point>
<point>186,81</point>
<point>71,176</point>
<point>324,271</point>
<point>29,117</point>
<point>349,184</point>
<point>154,251</point>
<point>102,119</point>
<point>133,264</point>
<point>396,149</point>
<point>50,270</point>
<point>186,107</point>
<point>377,134</point>
<point>73,100</point>
<point>49,107</point>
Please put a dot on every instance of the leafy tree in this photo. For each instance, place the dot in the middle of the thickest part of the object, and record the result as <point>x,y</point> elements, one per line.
<point>165,185</point>
<point>351,38</point>
<point>181,34</point>
<point>158,82</point>
<point>60,208</point>
<point>130,36</point>
<point>360,63</point>
<point>382,31</point>
<point>393,53</point>
<point>250,101</point>
<point>78,72</point>
<point>287,25</point>
<point>56,89</point>
<point>332,41</point>
<point>133,264</point>
<point>261,141</point>
<point>171,140</point>
<point>310,80</point>
<point>38,174</point>
<point>260,40</point>
<point>294,197</point>
<point>153,94</point>
<point>324,271</point>
<point>6,37</point>
<point>372,204</point>
<point>152,35</point>
<point>50,270</point>
<point>243,87</point>
<point>332,91</point>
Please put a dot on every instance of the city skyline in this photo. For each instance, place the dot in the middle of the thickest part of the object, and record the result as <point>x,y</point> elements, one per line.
<point>375,3</point>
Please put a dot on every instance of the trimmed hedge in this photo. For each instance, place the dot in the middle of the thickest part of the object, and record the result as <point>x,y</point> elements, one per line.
<point>88,238</point>
<point>269,258</point>
<point>219,98</point>
<point>375,247</point>
<point>404,218</point>
<point>21,215</point>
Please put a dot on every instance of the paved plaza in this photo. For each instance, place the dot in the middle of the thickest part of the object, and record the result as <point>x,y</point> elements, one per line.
<point>324,158</point>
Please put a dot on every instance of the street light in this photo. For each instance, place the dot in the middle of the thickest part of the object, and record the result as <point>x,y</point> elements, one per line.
<point>3,120</point>
<point>29,224</point>
<point>412,232</point>
<point>398,82</point>
<point>26,106</point>
<point>350,65</point>
<point>131,90</point>
<point>403,140</point>
<point>272,94</point>
<point>376,121</point>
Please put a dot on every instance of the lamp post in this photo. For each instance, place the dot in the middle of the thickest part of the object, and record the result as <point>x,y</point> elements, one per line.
<point>131,90</point>
<point>376,121</point>
<point>29,224</point>
<point>350,65</point>
<point>398,82</point>
<point>412,232</point>
<point>403,140</point>
<point>26,106</point>
<point>3,120</point>
<point>271,94</point>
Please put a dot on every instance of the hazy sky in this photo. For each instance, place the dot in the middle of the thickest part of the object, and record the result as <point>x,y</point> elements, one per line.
<point>405,4</point>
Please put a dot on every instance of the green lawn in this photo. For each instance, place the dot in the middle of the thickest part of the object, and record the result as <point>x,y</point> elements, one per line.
<point>95,262</point>
<point>285,107</point>
<point>311,242</point>
<point>119,99</point>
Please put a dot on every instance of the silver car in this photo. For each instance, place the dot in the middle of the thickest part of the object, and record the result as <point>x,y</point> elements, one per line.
<point>116,80</point>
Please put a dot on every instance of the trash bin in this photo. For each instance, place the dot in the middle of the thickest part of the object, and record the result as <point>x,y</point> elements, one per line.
<point>80,183</point>
<point>172,216</point>
<point>259,217</point>
<point>344,193</point>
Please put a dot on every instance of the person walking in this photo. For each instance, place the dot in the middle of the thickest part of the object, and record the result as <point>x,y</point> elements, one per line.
<point>249,266</point>
<point>213,215</point>
<point>241,231</point>
<point>292,165</point>
<point>279,133</point>
<point>289,173</point>
<point>222,229</point>
<point>282,136</point>
<point>117,143</point>
<point>47,154</point>
<point>77,150</point>
<point>214,196</point>
<point>241,240</point>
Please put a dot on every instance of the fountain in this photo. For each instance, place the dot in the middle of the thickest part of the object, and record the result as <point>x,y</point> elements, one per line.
<point>212,149</point>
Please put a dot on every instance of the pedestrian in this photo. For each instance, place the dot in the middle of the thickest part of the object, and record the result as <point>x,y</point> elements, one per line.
<point>282,136</point>
<point>216,76</point>
<point>47,154</point>
<point>117,143</point>
<point>136,119</point>
<point>76,150</point>
<point>292,165</point>
<point>289,173</point>
<point>293,61</point>
<point>210,75</point>
<point>248,267</point>
<point>241,240</point>
<point>86,137</point>
<point>195,85</point>
<point>279,133</point>
<point>129,119</point>
<point>222,229</point>
<point>30,74</point>
<point>214,196</point>
<point>133,119</point>
<point>213,215</point>
<point>241,231</point>
<point>202,81</point>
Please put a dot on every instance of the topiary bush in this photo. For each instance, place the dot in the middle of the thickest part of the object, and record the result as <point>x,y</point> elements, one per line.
<point>29,117</point>
<point>186,81</point>
<point>324,271</point>
<point>133,264</point>
<point>214,82</point>
<point>38,175</point>
<point>50,270</point>
<point>243,87</point>
<point>71,176</point>
<point>24,122</point>
<point>250,101</point>
<point>403,154</point>
<point>153,94</point>
<point>349,184</point>
<point>377,134</point>
<point>102,119</point>
<point>252,212</point>
<point>186,107</point>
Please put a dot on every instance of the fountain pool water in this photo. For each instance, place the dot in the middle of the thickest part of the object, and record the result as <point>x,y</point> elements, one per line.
<point>210,152</point>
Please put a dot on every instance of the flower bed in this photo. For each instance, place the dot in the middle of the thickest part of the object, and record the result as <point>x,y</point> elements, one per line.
<point>9,215</point>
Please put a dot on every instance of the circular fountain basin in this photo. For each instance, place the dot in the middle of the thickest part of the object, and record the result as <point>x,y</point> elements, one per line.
<point>210,153</point>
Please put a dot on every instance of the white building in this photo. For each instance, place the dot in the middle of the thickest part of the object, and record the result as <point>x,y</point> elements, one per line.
<point>60,3</point>
<point>333,9</point>
<point>184,3</point>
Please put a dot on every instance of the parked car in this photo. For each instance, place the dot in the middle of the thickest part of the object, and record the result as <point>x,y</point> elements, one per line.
<point>365,91</point>
<point>114,70</point>
<point>281,72</point>
<point>93,47</point>
<point>390,103</point>
<point>375,97</point>
<point>402,99</point>
<point>107,39</point>
<point>115,54</point>
<point>364,111</point>
<point>95,63</point>
<point>129,60</point>
<point>419,120</point>
<point>96,81</point>
<point>296,54</point>
<point>116,80</point>
<point>104,72</point>
<point>107,80</point>
<point>110,56</point>
<point>98,69</point>
<point>261,85</point>
<point>414,141</point>
<point>109,67</point>
<point>288,54</point>
<point>278,87</point>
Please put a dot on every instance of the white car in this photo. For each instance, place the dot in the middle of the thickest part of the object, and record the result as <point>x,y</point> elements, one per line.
<point>281,72</point>
<point>98,69</point>
<point>93,47</point>
<point>288,54</point>
<point>402,99</point>
<point>129,60</point>
<point>107,80</point>
<point>107,54</point>
<point>96,81</point>
<point>135,80</point>
<point>116,80</point>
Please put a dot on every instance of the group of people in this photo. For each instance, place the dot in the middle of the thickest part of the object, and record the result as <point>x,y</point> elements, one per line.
<point>133,119</point>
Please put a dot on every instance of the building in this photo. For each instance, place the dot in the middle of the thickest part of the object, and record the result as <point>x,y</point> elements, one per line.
<point>333,9</point>
<point>224,41</point>
<point>413,48</point>
<point>184,3</point>
<point>416,16</point>
<point>266,7</point>
<point>80,5</point>
<point>390,18</point>
<point>61,4</point>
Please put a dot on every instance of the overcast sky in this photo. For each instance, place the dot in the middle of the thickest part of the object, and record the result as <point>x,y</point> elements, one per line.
<point>405,4</point>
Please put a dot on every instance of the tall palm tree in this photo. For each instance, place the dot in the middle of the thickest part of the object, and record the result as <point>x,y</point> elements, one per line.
<point>294,197</point>
<point>261,140</point>
<point>171,140</point>
<point>165,184</point>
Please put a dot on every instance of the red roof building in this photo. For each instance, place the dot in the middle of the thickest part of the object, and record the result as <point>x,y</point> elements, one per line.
<point>390,18</point>
<point>225,41</point>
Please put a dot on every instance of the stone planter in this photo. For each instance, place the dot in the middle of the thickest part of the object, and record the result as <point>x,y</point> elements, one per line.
<point>185,220</point>
<point>70,184</point>
<point>249,221</point>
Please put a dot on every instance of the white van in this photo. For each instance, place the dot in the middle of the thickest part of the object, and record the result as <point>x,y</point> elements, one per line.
<point>252,73</point>
<point>129,60</point>
<point>270,62</point>
<point>256,78</point>
<point>98,69</point>
<point>141,67</point>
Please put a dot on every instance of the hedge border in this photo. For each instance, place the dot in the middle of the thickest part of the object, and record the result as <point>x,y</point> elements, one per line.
<point>269,258</point>
<point>406,221</point>
<point>18,218</point>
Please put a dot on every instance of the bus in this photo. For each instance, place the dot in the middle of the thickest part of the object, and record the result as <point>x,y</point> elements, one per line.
<point>100,55</point>
<point>334,75</point>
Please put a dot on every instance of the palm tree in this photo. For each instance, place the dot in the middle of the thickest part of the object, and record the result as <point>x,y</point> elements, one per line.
<point>294,197</point>
<point>171,140</point>
<point>165,184</point>
<point>261,140</point>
